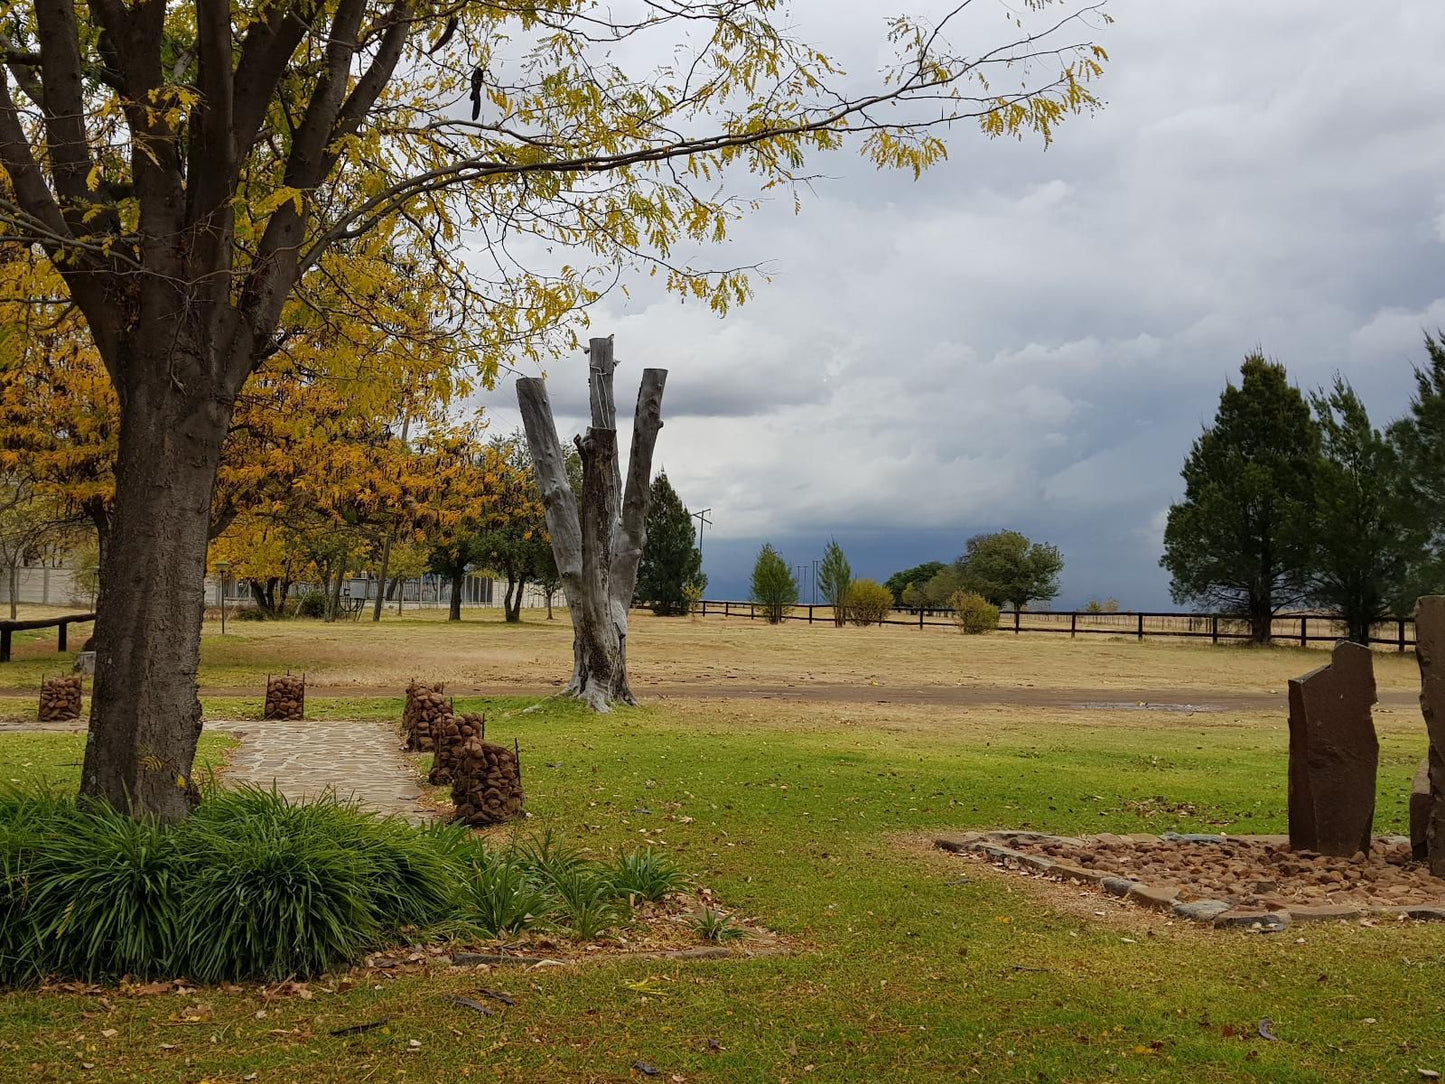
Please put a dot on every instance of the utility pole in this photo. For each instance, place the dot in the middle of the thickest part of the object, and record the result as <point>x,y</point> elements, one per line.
<point>702,521</point>
<point>816,563</point>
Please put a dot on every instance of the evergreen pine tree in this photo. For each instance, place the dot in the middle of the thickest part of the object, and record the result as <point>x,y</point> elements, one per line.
<point>671,562</point>
<point>1243,537</point>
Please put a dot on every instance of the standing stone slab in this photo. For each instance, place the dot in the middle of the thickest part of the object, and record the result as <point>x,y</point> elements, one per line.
<point>1420,812</point>
<point>1430,653</point>
<point>1333,754</point>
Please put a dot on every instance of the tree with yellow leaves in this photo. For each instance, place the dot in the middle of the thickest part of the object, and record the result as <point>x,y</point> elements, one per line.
<point>191,166</point>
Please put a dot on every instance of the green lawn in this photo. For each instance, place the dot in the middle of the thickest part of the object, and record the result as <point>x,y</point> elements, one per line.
<point>808,820</point>
<point>54,759</point>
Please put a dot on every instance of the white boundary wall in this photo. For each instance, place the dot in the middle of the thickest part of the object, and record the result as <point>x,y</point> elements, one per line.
<point>45,586</point>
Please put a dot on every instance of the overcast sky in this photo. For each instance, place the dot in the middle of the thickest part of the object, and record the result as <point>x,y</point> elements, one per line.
<point>1032,339</point>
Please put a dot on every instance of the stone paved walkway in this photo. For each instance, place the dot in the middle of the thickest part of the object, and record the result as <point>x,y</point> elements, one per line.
<point>356,760</point>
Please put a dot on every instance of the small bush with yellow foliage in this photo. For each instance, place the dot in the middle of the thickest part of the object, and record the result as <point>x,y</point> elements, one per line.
<point>868,602</point>
<point>973,613</point>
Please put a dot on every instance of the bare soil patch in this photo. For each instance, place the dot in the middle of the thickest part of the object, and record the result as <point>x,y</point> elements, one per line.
<point>1224,879</point>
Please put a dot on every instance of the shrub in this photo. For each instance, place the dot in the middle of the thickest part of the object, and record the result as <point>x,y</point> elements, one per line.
<point>973,613</point>
<point>255,613</point>
<point>868,602</point>
<point>311,604</point>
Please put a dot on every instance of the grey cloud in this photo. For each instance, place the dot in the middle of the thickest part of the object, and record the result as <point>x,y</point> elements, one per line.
<point>1034,338</point>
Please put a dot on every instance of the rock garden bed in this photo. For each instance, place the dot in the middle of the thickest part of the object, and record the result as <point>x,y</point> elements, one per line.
<point>1224,880</point>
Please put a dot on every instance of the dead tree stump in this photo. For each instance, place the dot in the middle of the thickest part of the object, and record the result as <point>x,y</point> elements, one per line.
<point>59,699</point>
<point>425,708</point>
<point>487,787</point>
<point>599,545</point>
<point>1333,754</point>
<point>285,697</point>
<point>448,738</point>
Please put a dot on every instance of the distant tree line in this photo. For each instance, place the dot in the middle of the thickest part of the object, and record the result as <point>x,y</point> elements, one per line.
<point>1004,567</point>
<point>1294,501</point>
<point>994,570</point>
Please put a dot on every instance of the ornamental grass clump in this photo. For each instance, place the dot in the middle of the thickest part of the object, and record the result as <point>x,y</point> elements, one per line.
<point>104,896</point>
<point>254,886</point>
<point>281,897</point>
<point>645,875</point>
<point>250,886</point>
<point>500,896</point>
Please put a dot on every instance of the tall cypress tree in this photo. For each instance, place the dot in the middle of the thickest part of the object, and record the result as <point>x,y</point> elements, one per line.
<point>1242,539</point>
<point>834,577</point>
<point>1367,536</point>
<point>774,587</point>
<point>671,562</point>
<point>1418,439</point>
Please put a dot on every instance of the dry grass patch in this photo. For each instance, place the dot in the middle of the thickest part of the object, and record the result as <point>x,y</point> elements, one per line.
<point>715,654</point>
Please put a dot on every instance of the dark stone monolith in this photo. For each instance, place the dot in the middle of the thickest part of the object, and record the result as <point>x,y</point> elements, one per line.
<point>1333,754</point>
<point>1420,812</point>
<point>1430,653</point>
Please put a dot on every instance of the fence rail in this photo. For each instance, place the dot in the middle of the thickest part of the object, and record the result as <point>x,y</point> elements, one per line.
<point>9,628</point>
<point>1303,629</point>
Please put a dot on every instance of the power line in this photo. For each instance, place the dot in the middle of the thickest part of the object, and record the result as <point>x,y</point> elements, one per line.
<point>702,521</point>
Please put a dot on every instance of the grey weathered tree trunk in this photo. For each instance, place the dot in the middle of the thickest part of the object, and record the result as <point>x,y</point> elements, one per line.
<point>599,546</point>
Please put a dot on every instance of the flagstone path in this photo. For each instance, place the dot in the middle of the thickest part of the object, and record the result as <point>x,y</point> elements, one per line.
<point>360,760</point>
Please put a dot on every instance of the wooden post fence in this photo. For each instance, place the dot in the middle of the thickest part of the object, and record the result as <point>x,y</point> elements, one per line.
<point>1172,625</point>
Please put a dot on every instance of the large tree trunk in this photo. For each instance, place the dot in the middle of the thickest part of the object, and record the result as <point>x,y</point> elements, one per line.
<point>145,715</point>
<point>512,603</point>
<point>1261,621</point>
<point>599,548</point>
<point>333,600</point>
<point>381,595</point>
<point>455,613</point>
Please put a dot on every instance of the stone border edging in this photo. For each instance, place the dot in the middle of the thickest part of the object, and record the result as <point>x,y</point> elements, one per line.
<point>1220,914</point>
